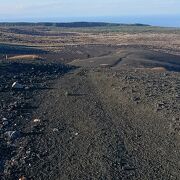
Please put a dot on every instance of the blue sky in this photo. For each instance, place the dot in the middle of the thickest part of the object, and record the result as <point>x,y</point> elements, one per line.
<point>36,10</point>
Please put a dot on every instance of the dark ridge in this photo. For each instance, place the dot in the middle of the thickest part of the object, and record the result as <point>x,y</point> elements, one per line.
<point>72,24</point>
<point>19,49</point>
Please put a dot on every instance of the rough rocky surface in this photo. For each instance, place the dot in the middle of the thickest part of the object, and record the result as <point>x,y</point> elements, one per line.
<point>16,107</point>
<point>90,123</point>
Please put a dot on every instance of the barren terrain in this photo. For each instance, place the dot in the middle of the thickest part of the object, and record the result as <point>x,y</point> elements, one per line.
<point>89,103</point>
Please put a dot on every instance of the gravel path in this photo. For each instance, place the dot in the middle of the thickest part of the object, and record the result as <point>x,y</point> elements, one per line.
<point>81,139</point>
<point>89,123</point>
<point>98,130</point>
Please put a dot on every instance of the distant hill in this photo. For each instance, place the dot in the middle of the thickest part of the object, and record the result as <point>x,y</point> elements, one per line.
<point>72,24</point>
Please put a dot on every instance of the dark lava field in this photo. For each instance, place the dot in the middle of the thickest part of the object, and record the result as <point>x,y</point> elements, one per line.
<point>89,110</point>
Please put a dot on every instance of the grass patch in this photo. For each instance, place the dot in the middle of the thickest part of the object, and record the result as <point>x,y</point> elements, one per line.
<point>25,57</point>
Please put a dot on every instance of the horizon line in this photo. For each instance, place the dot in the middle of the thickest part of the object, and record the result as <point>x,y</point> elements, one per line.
<point>102,22</point>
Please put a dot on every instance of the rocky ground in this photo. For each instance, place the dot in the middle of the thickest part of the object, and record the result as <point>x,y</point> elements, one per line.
<point>20,85</point>
<point>111,111</point>
<point>88,123</point>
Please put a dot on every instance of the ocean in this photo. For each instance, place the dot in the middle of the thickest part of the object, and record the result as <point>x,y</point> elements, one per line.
<point>154,20</point>
<point>165,21</point>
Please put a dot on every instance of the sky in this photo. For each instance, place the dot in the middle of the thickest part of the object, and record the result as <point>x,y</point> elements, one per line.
<point>87,10</point>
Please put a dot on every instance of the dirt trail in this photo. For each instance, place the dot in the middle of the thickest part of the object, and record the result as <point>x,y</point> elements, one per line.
<point>81,140</point>
<point>94,122</point>
<point>146,130</point>
<point>91,132</point>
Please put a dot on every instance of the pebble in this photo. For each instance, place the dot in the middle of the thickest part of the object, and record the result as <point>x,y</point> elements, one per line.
<point>175,119</point>
<point>136,98</point>
<point>12,135</point>
<point>36,120</point>
<point>4,119</point>
<point>55,130</point>
<point>123,88</point>
<point>177,96</point>
<point>67,93</point>
<point>5,123</point>
<point>23,178</point>
<point>27,88</point>
<point>160,105</point>
<point>17,85</point>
